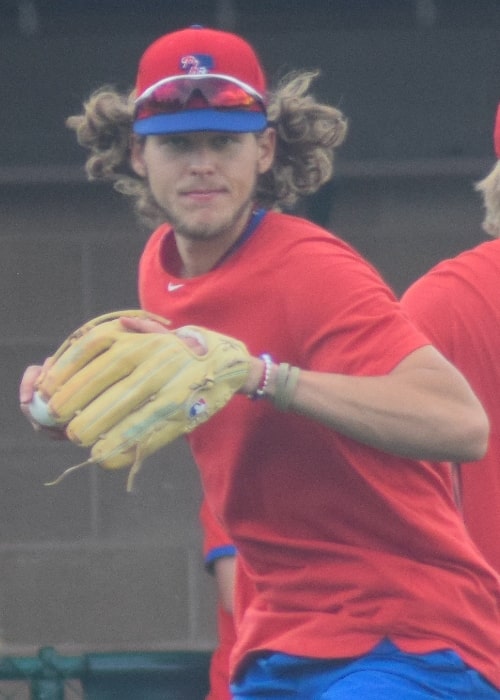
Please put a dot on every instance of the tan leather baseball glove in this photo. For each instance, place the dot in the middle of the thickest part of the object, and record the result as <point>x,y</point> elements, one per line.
<point>126,394</point>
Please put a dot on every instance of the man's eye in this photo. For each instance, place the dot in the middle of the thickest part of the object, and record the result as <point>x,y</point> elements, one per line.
<point>179,142</point>
<point>222,140</point>
<point>176,142</point>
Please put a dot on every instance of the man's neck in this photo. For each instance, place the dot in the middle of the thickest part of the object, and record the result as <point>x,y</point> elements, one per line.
<point>199,256</point>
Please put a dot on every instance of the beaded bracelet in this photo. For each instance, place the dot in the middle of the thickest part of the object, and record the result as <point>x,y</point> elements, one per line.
<point>260,391</point>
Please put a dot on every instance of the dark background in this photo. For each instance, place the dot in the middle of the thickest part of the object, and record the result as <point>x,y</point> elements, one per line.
<point>418,78</point>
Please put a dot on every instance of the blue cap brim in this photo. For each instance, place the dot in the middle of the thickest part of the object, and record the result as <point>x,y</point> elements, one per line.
<point>201,120</point>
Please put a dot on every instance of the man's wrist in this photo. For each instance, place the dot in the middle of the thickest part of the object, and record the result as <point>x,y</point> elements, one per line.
<point>260,379</point>
<point>272,381</point>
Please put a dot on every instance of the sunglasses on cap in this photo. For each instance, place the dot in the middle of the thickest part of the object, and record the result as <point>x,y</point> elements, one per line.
<point>197,92</point>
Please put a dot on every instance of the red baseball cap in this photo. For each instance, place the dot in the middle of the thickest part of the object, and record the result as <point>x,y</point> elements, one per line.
<point>496,134</point>
<point>200,79</point>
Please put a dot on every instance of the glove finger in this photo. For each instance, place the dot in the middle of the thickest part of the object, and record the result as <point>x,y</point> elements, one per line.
<point>132,396</point>
<point>103,372</point>
<point>84,344</point>
<point>77,356</point>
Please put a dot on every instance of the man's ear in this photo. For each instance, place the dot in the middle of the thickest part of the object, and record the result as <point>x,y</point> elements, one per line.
<point>267,148</point>
<point>137,161</point>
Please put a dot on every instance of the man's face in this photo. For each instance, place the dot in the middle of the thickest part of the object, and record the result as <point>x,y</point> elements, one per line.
<point>204,181</point>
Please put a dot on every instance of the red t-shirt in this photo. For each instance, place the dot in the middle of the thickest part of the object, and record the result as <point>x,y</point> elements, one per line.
<point>344,544</point>
<point>457,305</point>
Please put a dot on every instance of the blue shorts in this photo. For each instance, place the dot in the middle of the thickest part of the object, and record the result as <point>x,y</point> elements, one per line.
<point>386,673</point>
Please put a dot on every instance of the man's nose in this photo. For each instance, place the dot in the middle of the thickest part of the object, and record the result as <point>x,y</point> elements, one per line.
<point>202,160</point>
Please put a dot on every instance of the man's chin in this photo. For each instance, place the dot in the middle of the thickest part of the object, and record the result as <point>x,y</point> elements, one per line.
<point>201,232</point>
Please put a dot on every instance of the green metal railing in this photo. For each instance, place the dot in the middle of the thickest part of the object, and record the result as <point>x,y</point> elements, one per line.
<point>178,675</point>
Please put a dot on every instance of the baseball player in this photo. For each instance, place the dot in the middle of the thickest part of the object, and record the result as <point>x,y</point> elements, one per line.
<point>221,561</point>
<point>457,305</point>
<point>325,467</point>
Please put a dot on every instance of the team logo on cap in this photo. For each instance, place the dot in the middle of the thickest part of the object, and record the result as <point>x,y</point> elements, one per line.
<point>196,63</point>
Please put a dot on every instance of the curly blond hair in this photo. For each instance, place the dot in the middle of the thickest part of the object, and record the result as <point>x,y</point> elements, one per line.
<point>308,133</point>
<point>489,187</point>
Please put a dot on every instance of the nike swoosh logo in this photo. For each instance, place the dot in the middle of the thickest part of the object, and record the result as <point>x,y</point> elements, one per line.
<point>172,286</point>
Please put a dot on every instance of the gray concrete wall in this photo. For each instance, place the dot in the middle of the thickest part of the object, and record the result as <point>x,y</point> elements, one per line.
<point>85,566</point>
